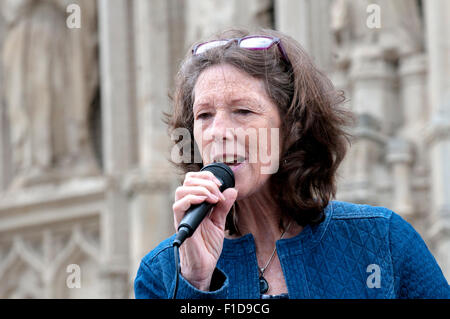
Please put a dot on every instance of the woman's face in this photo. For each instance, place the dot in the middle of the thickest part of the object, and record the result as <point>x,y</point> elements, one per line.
<point>236,122</point>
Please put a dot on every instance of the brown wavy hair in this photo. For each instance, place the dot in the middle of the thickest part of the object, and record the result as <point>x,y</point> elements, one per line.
<point>311,113</point>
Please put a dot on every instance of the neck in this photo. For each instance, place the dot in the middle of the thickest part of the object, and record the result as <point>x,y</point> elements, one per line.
<point>259,214</point>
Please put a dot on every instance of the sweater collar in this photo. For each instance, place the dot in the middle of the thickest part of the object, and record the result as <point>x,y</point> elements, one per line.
<point>306,239</point>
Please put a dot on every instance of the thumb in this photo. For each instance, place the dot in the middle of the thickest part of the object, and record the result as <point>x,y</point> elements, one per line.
<point>220,211</point>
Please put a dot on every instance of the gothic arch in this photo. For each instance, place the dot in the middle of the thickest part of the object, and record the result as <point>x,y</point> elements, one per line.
<point>80,252</point>
<point>21,272</point>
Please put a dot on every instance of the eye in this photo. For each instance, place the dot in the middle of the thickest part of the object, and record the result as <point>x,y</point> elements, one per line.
<point>203,116</point>
<point>243,111</point>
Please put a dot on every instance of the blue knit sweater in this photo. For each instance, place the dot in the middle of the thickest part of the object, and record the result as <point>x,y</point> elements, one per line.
<point>358,251</point>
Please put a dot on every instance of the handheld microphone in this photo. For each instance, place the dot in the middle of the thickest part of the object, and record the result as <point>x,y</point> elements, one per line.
<point>196,213</point>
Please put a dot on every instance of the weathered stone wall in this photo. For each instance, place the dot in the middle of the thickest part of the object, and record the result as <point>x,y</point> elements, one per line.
<point>64,203</point>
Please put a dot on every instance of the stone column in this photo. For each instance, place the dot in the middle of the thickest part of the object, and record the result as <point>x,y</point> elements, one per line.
<point>374,87</point>
<point>373,99</point>
<point>151,219</point>
<point>399,155</point>
<point>438,137</point>
<point>149,185</point>
<point>307,21</point>
<point>412,73</point>
<point>414,101</point>
<point>5,161</point>
<point>361,161</point>
<point>119,138</point>
<point>4,130</point>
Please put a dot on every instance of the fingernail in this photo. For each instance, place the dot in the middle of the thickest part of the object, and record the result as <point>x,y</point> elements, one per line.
<point>214,197</point>
<point>218,182</point>
<point>222,196</point>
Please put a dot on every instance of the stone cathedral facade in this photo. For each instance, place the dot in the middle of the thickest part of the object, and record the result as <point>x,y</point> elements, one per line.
<point>86,188</point>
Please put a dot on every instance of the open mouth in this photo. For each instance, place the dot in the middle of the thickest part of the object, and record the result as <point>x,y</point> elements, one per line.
<point>231,160</point>
<point>236,166</point>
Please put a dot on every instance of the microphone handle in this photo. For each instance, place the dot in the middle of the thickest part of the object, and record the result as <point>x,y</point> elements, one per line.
<point>193,217</point>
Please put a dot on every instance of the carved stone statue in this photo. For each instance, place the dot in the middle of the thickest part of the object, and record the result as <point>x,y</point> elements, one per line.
<point>399,32</point>
<point>50,77</point>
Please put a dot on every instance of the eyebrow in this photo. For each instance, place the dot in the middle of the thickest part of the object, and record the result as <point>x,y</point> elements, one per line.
<point>197,106</point>
<point>233,101</point>
<point>243,100</point>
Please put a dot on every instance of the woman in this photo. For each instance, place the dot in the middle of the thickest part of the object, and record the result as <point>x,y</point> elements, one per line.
<point>277,233</point>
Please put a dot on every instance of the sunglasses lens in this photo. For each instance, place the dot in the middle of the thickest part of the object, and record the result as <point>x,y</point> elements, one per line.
<point>256,43</point>
<point>209,45</point>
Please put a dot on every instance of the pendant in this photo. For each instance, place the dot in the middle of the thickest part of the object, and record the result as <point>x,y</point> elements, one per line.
<point>263,285</point>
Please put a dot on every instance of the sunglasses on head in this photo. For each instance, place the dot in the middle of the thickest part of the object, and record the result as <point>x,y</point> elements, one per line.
<point>254,42</point>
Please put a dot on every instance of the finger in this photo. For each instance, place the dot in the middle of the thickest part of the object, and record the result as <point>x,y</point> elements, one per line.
<point>180,207</point>
<point>210,185</point>
<point>183,191</point>
<point>205,175</point>
<point>220,211</point>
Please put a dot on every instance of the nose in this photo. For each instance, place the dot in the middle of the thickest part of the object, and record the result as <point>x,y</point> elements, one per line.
<point>221,128</point>
<point>220,134</point>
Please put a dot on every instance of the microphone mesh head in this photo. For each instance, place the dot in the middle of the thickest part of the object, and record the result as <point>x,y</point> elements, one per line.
<point>223,172</point>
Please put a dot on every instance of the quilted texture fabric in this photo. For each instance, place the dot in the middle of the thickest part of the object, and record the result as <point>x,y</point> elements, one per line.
<point>358,251</point>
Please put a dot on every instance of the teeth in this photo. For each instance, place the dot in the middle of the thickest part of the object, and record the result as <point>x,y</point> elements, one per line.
<point>231,159</point>
<point>240,159</point>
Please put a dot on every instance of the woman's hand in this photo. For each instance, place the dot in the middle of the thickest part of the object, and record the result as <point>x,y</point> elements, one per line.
<point>199,253</point>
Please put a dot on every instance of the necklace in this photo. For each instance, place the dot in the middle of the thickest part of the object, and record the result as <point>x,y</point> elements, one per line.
<point>263,284</point>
